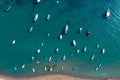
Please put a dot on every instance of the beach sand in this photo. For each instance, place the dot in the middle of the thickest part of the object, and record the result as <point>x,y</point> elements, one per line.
<point>51,77</point>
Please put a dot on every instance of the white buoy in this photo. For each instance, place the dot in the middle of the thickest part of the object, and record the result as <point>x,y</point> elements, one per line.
<point>50,58</point>
<point>30,30</point>
<point>33,70</point>
<point>36,17</point>
<point>107,13</point>
<point>38,51</point>
<point>78,51</point>
<point>57,2</point>
<point>38,1</point>
<point>66,29</point>
<point>48,16</point>
<point>60,37</point>
<point>74,43</point>
<point>23,66</point>
<point>103,51</point>
<point>13,42</point>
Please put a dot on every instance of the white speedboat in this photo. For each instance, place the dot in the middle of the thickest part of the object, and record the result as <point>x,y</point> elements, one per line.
<point>33,70</point>
<point>23,66</point>
<point>85,49</point>
<point>103,51</point>
<point>66,29</point>
<point>38,1</point>
<point>36,17</point>
<point>78,51</point>
<point>74,43</point>
<point>38,51</point>
<point>60,37</point>
<point>13,42</point>
<point>107,13</point>
<point>48,16</point>
<point>92,57</point>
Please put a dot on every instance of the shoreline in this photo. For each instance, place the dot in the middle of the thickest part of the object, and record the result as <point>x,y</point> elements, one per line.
<point>52,76</point>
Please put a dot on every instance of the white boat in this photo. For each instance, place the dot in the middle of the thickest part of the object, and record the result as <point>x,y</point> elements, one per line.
<point>97,46</point>
<point>96,68</point>
<point>50,69</point>
<point>32,58</point>
<point>92,57</point>
<point>107,13</point>
<point>31,29</point>
<point>60,37</point>
<point>13,42</point>
<point>80,30</point>
<point>57,2</point>
<point>42,44</point>
<point>62,67</point>
<point>103,51</point>
<point>85,49</point>
<point>78,51</point>
<point>48,16</point>
<point>64,57</point>
<point>50,58</point>
<point>74,43</point>
<point>15,68</point>
<point>38,51</point>
<point>38,62</point>
<point>48,34</point>
<point>99,65</point>
<point>33,70</point>
<point>45,68</point>
<point>38,1</point>
<point>23,66</point>
<point>36,17</point>
<point>56,50</point>
<point>66,29</point>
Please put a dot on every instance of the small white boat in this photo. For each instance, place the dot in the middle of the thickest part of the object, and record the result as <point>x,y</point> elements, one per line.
<point>50,69</point>
<point>45,68</point>
<point>33,70</point>
<point>99,65</point>
<point>42,44</point>
<point>23,66</point>
<point>48,16</point>
<point>93,57</point>
<point>13,42</point>
<point>32,58</point>
<point>48,34</point>
<point>62,67</point>
<point>85,49</point>
<point>80,30</point>
<point>38,62</point>
<point>78,51</point>
<point>96,68</point>
<point>66,29</point>
<point>60,37</point>
<point>103,51</point>
<point>15,68</point>
<point>38,51</point>
<point>107,13</point>
<point>50,58</point>
<point>38,1</point>
<point>97,46</point>
<point>56,50</point>
<point>74,43</point>
<point>30,30</point>
<point>57,2</point>
<point>64,57</point>
<point>36,17</point>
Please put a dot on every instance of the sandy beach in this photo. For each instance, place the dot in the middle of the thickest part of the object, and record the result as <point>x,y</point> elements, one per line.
<point>51,77</point>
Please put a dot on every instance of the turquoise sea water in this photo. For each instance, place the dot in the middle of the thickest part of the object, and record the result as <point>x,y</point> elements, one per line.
<point>88,14</point>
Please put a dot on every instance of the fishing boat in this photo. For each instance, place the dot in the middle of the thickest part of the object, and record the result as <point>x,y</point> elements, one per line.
<point>35,17</point>
<point>107,14</point>
<point>74,43</point>
<point>13,42</point>
<point>66,29</point>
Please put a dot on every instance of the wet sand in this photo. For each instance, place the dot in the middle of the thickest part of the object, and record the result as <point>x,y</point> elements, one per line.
<point>51,77</point>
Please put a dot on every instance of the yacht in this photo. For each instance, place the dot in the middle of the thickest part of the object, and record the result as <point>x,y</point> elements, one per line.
<point>66,29</point>
<point>36,17</point>
<point>38,51</point>
<point>13,42</point>
<point>107,13</point>
<point>74,43</point>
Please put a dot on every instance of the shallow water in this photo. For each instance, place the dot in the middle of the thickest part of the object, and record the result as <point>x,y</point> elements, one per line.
<point>77,13</point>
